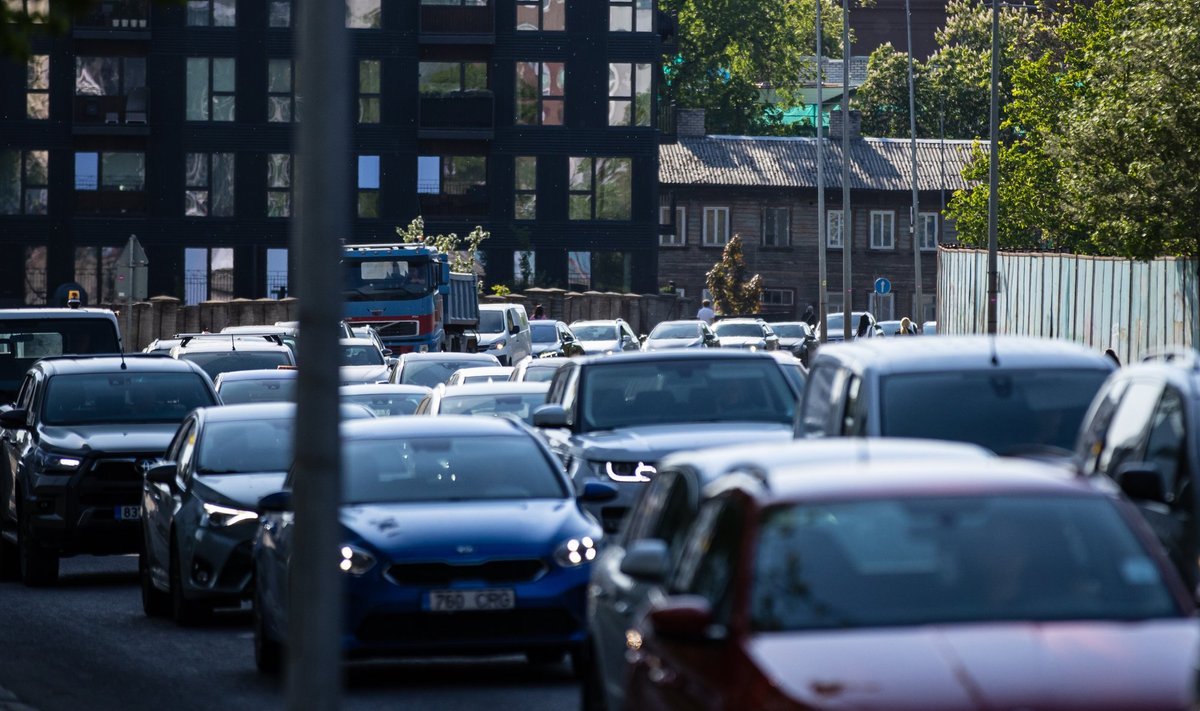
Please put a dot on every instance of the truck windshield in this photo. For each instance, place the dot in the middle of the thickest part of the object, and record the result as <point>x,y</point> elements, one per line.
<point>24,341</point>
<point>383,278</point>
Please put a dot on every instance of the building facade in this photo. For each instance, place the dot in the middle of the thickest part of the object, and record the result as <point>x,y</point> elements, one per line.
<point>764,189</point>
<point>535,119</point>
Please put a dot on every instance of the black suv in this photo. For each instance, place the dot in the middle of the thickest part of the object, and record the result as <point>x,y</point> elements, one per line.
<point>74,445</point>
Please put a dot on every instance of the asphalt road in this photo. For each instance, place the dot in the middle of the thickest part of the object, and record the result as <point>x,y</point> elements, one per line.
<point>85,644</point>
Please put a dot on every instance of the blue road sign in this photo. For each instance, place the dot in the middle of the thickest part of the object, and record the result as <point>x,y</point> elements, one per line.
<point>882,286</point>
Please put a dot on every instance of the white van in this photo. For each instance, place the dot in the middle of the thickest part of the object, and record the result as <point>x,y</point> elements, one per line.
<point>504,332</point>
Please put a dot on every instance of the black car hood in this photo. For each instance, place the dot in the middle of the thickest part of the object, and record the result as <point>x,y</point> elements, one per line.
<point>651,443</point>
<point>238,490</point>
<point>133,437</point>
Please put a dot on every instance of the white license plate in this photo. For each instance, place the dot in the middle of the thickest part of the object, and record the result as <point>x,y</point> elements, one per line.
<point>465,600</point>
<point>127,513</point>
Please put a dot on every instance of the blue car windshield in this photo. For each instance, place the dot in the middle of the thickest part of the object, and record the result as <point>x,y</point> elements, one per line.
<point>545,332</point>
<point>110,398</point>
<point>447,468</point>
<point>244,446</point>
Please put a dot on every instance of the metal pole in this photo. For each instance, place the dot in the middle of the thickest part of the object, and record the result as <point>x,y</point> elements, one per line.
<point>127,340</point>
<point>919,315</point>
<point>321,218</point>
<point>847,227</point>
<point>822,267</point>
<point>994,174</point>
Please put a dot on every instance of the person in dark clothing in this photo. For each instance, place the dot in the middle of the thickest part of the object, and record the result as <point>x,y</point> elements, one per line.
<point>864,325</point>
<point>539,313</point>
<point>809,316</point>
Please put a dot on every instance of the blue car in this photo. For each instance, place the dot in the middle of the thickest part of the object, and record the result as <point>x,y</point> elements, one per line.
<point>462,536</point>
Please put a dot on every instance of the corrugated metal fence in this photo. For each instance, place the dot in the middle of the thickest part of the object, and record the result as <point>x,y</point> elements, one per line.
<point>1134,308</point>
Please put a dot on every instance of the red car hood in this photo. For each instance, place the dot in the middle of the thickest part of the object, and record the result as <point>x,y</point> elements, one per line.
<point>1081,666</point>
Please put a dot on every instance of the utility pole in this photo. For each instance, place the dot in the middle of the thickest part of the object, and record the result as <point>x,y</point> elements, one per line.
<point>321,219</point>
<point>918,307</point>
<point>822,268</point>
<point>847,228</point>
<point>993,276</point>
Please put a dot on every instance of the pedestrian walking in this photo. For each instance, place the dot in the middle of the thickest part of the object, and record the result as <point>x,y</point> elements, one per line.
<point>706,312</point>
<point>539,313</point>
<point>864,326</point>
<point>809,317</point>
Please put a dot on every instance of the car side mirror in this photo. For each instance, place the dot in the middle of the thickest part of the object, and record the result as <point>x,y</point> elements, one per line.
<point>514,329</point>
<point>647,560</point>
<point>162,473</point>
<point>14,419</point>
<point>550,416</point>
<point>386,352</point>
<point>391,361</point>
<point>278,502</point>
<point>1142,481</point>
<point>685,618</point>
<point>597,492</point>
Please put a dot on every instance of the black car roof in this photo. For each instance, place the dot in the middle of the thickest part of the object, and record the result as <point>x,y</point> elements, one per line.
<point>109,363</point>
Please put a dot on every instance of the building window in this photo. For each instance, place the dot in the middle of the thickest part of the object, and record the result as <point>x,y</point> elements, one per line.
<point>120,172</point>
<point>525,207</point>
<point>775,229</point>
<point>368,90</point>
<point>629,94</point>
<point>279,91</point>
<point>277,273</point>
<point>631,15</point>
<point>452,185</point>
<point>35,275</point>
<point>95,269</point>
<point>37,10</point>
<point>777,297</point>
<point>544,15</point>
<point>24,181</point>
<point>279,13</point>
<point>541,88</point>
<point>363,14</point>
<point>211,13</point>
<point>279,184</point>
<point>716,226</point>
<point>883,229</point>
<point>210,89</point>
<point>209,185</point>
<point>207,274</point>
<point>440,78</point>
<point>679,237</point>
<point>579,271</point>
<point>109,76</point>
<point>833,229</point>
<point>368,186</point>
<point>600,188</point>
<point>927,229</point>
<point>37,87</point>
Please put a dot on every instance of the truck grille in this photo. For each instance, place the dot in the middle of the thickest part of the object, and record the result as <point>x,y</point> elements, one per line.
<point>122,470</point>
<point>397,328</point>
<point>492,571</point>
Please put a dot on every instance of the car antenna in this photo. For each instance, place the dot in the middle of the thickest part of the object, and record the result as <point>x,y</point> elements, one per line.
<point>121,343</point>
<point>992,344</point>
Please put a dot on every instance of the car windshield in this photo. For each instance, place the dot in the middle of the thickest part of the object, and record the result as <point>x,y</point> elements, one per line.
<point>448,468</point>
<point>24,341</point>
<point>738,330</point>
<point>676,330</point>
<point>385,279</point>
<point>601,332</point>
<point>691,390</point>
<point>266,390</point>
<point>1009,412</point>
<point>216,362</point>
<point>245,446</point>
<point>788,330</point>
<point>543,332</point>
<point>361,355</point>
<point>539,374</point>
<point>491,321</point>
<point>921,561</point>
<point>386,405</point>
<point>432,372</point>
<point>795,373</point>
<point>110,398</point>
<point>507,405</point>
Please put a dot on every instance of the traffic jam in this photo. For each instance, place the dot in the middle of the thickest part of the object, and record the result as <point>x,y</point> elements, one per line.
<point>711,515</point>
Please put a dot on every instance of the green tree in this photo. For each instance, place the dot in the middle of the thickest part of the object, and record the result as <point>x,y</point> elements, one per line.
<point>732,292</point>
<point>729,50</point>
<point>463,251</point>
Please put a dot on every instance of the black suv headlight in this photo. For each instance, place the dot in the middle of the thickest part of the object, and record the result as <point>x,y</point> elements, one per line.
<point>49,462</point>
<point>221,516</point>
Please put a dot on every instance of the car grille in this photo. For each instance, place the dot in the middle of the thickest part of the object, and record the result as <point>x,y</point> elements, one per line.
<point>492,571</point>
<point>126,469</point>
<point>398,328</point>
<point>467,626</point>
<point>113,481</point>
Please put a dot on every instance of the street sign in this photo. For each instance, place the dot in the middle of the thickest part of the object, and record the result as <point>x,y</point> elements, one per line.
<point>883,286</point>
<point>132,268</point>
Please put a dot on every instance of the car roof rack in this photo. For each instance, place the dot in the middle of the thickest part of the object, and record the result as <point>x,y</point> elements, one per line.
<point>1185,357</point>
<point>186,338</point>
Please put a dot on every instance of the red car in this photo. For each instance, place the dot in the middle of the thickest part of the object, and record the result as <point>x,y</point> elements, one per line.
<point>913,586</point>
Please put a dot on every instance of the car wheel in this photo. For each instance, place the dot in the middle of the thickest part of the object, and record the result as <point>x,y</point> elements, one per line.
<point>268,653</point>
<point>39,567</point>
<point>583,664</point>
<point>185,612</point>
<point>155,602</point>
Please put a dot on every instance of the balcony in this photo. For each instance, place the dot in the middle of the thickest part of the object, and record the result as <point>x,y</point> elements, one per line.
<point>467,115</point>
<point>115,19</point>
<point>458,24</point>
<point>471,203</point>
<point>122,115</point>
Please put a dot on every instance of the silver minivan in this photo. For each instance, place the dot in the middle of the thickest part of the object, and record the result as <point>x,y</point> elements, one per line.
<point>504,332</point>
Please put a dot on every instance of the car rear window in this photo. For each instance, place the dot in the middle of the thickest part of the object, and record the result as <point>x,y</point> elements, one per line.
<point>738,330</point>
<point>941,560</point>
<point>432,372</point>
<point>387,405</point>
<point>104,398</point>
<point>1009,412</point>
<point>501,405</point>
<point>216,362</point>
<point>273,390</point>
<point>448,468</point>
<point>24,341</point>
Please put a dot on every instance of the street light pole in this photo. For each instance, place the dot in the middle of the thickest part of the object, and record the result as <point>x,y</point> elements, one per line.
<point>847,231</point>
<point>822,268</point>
<point>914,219</point>
<point>993,275</point>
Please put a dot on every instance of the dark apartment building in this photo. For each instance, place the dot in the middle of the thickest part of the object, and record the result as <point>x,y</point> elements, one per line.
<point>536,119</point>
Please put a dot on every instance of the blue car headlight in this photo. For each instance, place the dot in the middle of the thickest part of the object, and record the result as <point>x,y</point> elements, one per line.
<point>575,552</point>
<point>355,561</point>
<point>221,516</point>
